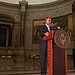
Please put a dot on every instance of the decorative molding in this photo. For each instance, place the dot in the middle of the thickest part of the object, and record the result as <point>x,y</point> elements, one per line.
<point>9,5</point>
<point>50,5</point>
<point>17,17</point>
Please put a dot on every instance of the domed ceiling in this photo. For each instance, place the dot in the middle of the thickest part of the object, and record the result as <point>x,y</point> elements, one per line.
<point>30,2</point>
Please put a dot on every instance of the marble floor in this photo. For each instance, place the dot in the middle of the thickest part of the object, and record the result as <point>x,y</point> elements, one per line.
<point>30,73</point>
<point>40,74</point>
<point>34,74</point>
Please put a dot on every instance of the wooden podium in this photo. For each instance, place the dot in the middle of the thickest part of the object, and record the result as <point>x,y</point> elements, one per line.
<point>56,57</point>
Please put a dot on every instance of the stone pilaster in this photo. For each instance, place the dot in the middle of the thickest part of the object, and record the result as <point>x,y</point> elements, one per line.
<point>23,5</point>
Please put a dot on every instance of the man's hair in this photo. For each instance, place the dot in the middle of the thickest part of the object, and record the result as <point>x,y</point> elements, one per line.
<point>47,18</point>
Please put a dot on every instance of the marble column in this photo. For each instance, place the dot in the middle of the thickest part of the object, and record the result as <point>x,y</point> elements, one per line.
<point>73,9</point>
<point>23,5</point>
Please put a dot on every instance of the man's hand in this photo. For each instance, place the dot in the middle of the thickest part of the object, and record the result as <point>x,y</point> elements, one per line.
<point>47,33</point>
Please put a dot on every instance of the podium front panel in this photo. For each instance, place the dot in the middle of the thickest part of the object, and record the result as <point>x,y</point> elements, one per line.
<point>58,61</point>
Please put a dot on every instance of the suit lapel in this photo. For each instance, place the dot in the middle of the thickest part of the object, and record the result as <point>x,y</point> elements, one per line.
<point>46,28</point>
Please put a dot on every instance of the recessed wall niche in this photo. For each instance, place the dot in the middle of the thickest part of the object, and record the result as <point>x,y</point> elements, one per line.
<point>3,33</point>
<point>6,28</point>
<point>6,31</point>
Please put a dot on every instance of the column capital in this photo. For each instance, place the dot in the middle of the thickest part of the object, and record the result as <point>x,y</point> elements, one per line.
<point>23,4</point>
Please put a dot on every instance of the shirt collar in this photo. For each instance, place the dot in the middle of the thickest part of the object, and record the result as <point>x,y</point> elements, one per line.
<point>47,25</point>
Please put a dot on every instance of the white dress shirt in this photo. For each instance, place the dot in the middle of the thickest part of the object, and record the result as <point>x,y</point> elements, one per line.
<point>48,27</point>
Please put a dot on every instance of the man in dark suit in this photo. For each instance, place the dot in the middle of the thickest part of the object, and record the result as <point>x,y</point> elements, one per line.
<point>44,31</point>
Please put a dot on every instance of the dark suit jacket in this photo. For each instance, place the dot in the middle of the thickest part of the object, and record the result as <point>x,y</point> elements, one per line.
<point>42,30</point>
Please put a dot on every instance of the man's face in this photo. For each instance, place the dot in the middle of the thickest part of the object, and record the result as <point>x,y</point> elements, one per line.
<point>48,21</point>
